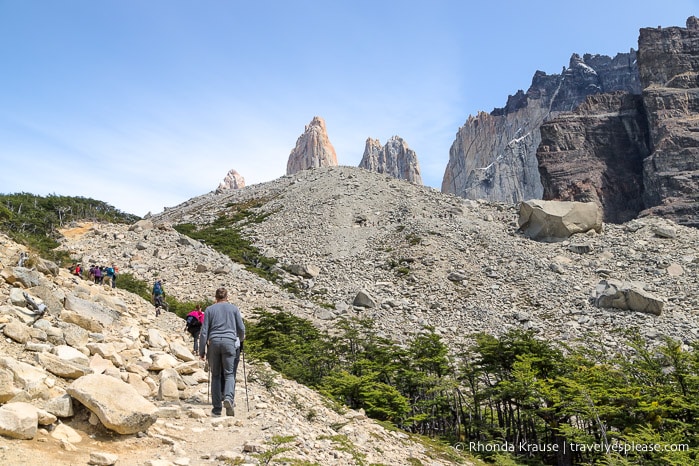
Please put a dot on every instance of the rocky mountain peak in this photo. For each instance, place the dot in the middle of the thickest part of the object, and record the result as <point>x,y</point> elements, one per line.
<point>494,155</point>
<point>313,149</point>
<point>232,180</point>
<point>633,154</point>
<point>395,159</point>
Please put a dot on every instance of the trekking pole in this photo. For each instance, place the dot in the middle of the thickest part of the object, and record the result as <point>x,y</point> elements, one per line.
<point>245,379</point>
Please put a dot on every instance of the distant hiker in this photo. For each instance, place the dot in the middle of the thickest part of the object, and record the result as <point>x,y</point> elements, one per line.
<point>23,256</point>
<point>98,274</point>
<point>111,275</point>
<point>159,296</point>
<point>222,335</point>
<point>78,270</point>
<point>193,323</point>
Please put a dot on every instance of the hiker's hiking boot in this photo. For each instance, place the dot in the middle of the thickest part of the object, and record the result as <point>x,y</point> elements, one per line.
<point>228,404</point>
<point>216,412</point>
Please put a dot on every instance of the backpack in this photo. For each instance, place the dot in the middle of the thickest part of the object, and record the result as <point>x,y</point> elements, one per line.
<point>193,324</point>
<point>157,289</point>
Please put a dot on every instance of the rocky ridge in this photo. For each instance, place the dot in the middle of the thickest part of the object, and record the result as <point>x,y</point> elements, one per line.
<point>669,69</point>
<point>106,348</point>
<point>313,149</point>
<point>634,155</point>
<point>395,159</point>
<point>494,154</point>
<point>423,257</point>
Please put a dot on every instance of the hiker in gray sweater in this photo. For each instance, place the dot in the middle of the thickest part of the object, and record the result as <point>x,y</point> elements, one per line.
<point>220,341</point>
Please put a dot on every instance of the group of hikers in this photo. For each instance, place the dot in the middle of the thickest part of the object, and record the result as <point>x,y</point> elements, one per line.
<point>98,273</point>
<point>218,333</point>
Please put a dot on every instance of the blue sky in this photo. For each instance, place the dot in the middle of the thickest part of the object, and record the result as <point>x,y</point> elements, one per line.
<point>144,104</point>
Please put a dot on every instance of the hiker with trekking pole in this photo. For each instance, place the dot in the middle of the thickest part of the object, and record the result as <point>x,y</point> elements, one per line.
<point>221,340</point>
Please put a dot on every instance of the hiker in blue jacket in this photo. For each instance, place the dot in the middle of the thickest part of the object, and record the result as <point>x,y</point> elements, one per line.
<point>159,297</point>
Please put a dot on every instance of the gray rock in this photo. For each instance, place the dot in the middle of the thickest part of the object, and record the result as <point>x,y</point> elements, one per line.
<point>364,299</point>
<point>60,406</point>
<point>102,314</point>
<point>18,420</point>
<point>60,367</point>
<point>23,276</point>
<point>304,270</point>
<point>627,296</point>
<point>664,231</point>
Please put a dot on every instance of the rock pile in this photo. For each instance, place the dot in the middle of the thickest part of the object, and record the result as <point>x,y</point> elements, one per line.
<point>422,257</point>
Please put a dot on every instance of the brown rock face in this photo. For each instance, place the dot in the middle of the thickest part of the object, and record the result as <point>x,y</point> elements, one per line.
<point>233,180</point>
<point>395,159</point>
<point>313,149</point>
<point>595,154</point>
<point>668,63</point>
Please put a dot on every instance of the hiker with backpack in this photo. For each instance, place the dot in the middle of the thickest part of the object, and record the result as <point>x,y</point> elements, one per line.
<point>158,295</point>
<point>193,323</point>
<point>111,274</point>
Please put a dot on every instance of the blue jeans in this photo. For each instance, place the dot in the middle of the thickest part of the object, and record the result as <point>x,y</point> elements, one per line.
<point>195,335</point>
<point>223,355</point>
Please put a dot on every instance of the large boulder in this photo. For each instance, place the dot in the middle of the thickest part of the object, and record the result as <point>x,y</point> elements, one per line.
<point>304,270</point>
<point>553,221</point>
<point>22,276</point>
<point>117,404</point>
<point>627,296</point>
<point>106,316</point>
<point>364,299</point>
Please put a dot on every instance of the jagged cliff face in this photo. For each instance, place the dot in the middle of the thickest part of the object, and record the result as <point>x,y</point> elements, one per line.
<point>233,180</point>
<point>634,155</point>
<point>395,159</point>
<point>313,149</point>
<point>595,154</point>
<point>668,62</point>
<point>494,155</point>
